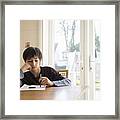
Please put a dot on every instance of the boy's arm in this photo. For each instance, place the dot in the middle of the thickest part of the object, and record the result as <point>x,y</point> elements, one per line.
<point>59,80</point>
<point>63,82</point>
<point>21,77</point>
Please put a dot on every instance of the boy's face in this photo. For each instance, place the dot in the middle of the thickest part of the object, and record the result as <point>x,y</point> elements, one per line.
<point>34,62</point>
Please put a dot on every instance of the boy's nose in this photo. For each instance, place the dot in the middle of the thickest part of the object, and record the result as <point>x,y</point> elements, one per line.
<point>33,63</point>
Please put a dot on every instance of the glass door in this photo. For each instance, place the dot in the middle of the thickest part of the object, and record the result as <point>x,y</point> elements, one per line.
<point>74,46</point>
<point>67,48</point>
<point>90,59</point>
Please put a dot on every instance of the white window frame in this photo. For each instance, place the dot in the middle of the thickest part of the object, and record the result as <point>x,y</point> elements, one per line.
<point>86,36</point>
<point>87,59</point>
<point>48,43</point>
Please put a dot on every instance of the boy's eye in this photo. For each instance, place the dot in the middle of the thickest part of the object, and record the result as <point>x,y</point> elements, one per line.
<point>36,60</point>
<point>29,61</point>
<point>32,60</point>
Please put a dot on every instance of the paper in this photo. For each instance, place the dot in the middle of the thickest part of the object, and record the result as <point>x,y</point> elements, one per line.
<point>32,87</point>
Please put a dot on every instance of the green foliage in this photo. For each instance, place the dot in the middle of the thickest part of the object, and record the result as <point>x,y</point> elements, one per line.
<point>73,47</point>
<point>77,47</point>
<point>97,43</point>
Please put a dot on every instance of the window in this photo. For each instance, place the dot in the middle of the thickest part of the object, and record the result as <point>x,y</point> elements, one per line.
<point>97,58</point>
<point>67,48</point>
<point>74,45</point>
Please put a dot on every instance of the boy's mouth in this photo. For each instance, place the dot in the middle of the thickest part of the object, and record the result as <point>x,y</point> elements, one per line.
<point>33,67</point>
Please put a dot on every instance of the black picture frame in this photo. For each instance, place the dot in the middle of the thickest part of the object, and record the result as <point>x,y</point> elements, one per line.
<point>2,65</point>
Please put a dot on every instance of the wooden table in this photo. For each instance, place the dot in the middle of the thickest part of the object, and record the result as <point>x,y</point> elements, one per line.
<point>52,93</point>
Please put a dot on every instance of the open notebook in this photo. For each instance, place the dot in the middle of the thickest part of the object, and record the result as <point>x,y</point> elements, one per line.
<point>33,87</point>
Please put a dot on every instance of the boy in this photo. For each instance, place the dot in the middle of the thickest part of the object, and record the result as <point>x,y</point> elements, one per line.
<point>31,71</point>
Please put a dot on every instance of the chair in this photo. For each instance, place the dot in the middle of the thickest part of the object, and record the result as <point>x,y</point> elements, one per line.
<point>64,73</point>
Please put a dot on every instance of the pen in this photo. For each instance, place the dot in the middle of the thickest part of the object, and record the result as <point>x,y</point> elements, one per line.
<point>40,79</point>
<point>32,87</point>
<point>40,83</point>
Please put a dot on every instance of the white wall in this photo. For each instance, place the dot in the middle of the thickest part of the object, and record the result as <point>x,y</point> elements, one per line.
<point>29,32</point>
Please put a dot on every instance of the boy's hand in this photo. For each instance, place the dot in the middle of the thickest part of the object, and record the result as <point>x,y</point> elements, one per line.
<point>46,81</point>
<point>25,67</point>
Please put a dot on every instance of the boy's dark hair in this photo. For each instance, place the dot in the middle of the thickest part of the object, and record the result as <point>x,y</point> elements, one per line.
<point>31,52</point>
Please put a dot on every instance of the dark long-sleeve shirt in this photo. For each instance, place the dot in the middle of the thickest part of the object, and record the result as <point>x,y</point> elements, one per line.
<point>58,80</point>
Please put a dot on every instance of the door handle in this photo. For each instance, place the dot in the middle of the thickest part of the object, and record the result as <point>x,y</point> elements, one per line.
<point>90,66</point>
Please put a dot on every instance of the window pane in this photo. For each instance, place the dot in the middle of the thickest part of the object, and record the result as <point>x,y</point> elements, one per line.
<point>97,58</point>
<point>67,48</point>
